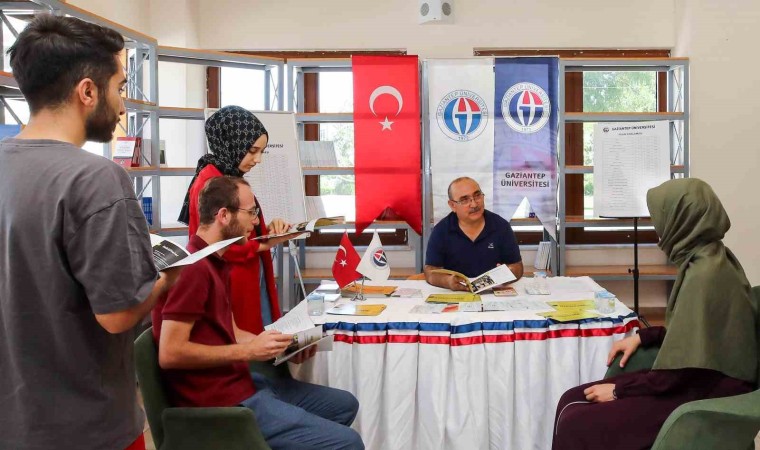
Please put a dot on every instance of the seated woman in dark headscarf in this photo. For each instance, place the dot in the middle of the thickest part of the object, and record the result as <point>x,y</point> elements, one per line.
<point>236,141</point>
<point>708,347</point>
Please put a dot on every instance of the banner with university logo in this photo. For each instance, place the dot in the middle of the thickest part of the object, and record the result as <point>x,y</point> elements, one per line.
<point>387,157</point>
<point>461,98</point>
<point>525,137</point>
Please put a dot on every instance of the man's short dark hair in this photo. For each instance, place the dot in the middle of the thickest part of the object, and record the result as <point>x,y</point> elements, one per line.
<point>218,193</point>
<point>53,54</point>
<point>457,180</point>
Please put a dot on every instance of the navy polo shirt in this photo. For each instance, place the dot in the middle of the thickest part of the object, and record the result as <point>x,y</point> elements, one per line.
<point>451,249</point>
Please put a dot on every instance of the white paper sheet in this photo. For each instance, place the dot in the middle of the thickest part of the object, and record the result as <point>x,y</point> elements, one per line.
<point>629,159</point>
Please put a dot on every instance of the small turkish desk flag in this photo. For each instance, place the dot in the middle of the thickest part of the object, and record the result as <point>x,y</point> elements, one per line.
<point>346,261</point>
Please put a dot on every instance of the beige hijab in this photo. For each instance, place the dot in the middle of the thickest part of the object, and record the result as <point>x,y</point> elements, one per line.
<point>711,316</point>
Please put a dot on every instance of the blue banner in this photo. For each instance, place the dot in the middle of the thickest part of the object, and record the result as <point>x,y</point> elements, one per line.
<point>525,137</point>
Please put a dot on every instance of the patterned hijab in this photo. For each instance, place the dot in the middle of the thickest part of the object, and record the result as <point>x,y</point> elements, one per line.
<point>711,315</point>
<point>230,132</point>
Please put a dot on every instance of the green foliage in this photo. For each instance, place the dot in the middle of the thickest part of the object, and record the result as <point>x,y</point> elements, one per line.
<point>342,136</point>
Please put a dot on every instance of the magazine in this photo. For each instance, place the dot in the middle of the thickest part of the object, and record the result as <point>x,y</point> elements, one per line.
<point>305,334</point>
<point>168,254</point>
<point>302,230</point>
<point>303,340</point>
<point>494,277</point>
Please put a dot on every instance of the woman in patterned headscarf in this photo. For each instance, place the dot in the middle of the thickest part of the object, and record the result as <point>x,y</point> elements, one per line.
<point>708,347</point>
<point>236,141</point>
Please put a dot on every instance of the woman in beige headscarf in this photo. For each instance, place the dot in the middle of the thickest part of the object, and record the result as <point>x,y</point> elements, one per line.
<point>708,347</point>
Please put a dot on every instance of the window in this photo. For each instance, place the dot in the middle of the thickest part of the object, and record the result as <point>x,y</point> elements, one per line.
<point>329,91</point>
<point>628,91</point>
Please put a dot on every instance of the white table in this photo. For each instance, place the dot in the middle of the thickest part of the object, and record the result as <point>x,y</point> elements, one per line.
<point>488,380</point>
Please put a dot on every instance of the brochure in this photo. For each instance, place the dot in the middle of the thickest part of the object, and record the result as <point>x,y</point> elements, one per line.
<point>452,298</point>
<point>302,230</point>
<point>368,291</point>
<point>494,277</point>
<point>167,254</point>
<point>407,293</point>
<point>352,309</point>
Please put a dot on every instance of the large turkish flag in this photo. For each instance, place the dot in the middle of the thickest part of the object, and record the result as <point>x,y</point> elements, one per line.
<point>387,161</point>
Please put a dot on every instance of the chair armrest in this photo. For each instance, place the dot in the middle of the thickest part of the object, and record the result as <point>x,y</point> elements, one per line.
<point>269,370</point>
<point>642,359</point>
<point>230,428</point>
<point>728,423</point>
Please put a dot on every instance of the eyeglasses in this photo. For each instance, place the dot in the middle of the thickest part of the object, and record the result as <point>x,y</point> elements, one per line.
<point>253,211</point>
<point>464,201</point>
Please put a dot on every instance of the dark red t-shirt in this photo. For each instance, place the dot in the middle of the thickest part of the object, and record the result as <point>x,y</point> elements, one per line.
<point>201,295</point>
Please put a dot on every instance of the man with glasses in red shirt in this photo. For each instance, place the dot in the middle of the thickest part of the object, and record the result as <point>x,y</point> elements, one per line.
<point>471,240</point>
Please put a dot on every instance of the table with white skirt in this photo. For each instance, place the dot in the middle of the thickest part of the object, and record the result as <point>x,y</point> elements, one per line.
<point>485,380</point>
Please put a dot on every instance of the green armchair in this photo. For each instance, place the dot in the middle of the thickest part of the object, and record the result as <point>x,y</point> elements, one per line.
<point>230,428</point>
<point>729,423</point>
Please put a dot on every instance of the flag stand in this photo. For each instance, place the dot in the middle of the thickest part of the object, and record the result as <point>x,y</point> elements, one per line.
<point>294,254</point>
<point>359,297</point>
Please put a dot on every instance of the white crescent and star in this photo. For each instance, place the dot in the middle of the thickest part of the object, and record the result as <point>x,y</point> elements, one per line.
<point>343,262</point>
<point>383,90</point>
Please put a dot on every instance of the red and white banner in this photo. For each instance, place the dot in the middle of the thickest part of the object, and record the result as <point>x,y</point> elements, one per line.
<point>387,161</point>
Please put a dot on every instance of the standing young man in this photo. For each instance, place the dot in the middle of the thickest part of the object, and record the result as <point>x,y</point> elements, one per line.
<point>470,240</point>
<point>204,355</point>
<point>76,267</point>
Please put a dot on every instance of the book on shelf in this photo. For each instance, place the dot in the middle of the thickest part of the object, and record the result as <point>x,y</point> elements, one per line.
<point>301,230</point>
<point>368,291</point>
<point>494,277</point>
<point>168,254</point>
<point>127,151</point>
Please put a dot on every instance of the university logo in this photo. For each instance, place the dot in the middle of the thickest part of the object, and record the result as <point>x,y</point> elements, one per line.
<point>378,259</point>
<point>462,115</point>
<point>525,107</point>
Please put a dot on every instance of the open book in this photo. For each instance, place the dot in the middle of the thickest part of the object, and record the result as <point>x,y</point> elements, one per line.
<point>305,334</point>
<point>494,277</point>
<point>305,227</point>
<point>167,254</point>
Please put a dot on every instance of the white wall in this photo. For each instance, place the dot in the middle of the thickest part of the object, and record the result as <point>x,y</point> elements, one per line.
<point>173,23</point>
<point>352,24</point>
<point>720,39</point>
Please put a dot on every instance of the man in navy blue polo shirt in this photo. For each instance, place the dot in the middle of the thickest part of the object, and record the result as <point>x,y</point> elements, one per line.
<point>470,240</point>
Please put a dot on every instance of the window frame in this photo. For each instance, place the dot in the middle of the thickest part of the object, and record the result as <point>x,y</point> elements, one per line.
<point>318,238</point>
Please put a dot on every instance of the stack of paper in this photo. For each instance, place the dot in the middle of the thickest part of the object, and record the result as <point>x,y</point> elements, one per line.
<point>542,255</point>
<point>318,154</point>
<point>315,207</point>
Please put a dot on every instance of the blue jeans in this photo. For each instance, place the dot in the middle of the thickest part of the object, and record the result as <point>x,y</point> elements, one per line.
<point>292,414</point>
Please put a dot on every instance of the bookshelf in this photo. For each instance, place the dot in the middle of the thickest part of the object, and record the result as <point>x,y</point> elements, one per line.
<point>676,71</point>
